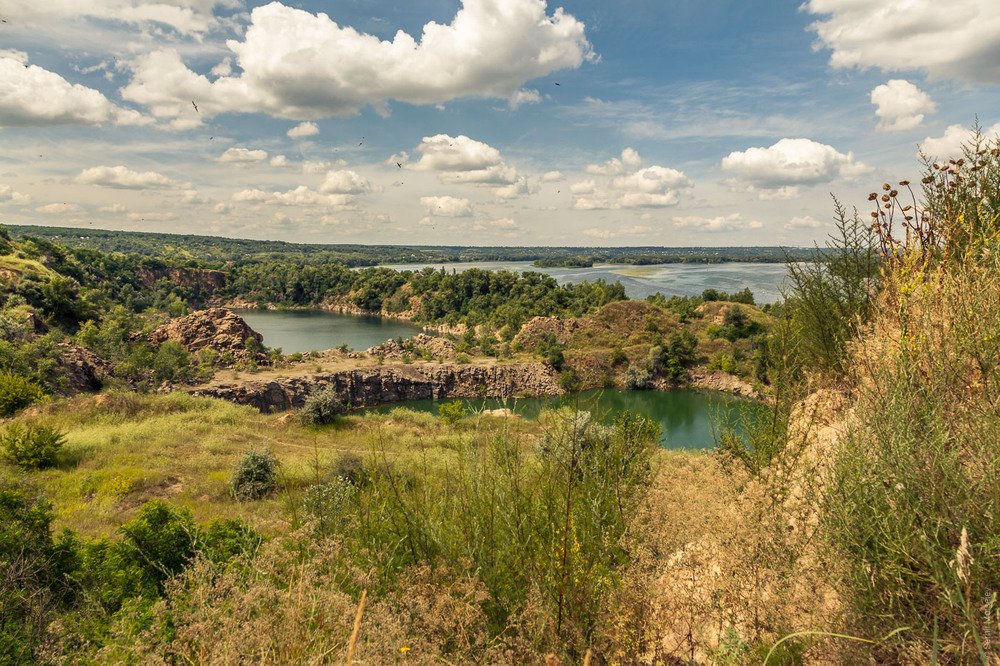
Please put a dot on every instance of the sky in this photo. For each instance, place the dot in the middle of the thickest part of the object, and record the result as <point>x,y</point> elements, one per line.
<point>482,122</point>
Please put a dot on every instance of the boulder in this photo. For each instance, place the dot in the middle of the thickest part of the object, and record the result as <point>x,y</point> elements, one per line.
<point>215,328</point>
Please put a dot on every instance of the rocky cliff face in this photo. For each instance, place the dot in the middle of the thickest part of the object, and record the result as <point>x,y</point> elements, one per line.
<point>215,328</point>
<point>367,388</point>
<point>82,369</point>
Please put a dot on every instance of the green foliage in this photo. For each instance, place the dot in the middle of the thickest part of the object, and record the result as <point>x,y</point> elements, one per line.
<point>223,540</point>
<point>832,295</point>
<point>255,475</point>
<point>542,530</point>
<point>568,381</point>
<point>171,362</point>
<point>618,356</point>
<point>671,357</point>
<point>323,405</point>
<point>17,392</point>
<point>451,413</point>
<point>156,545</point>
<point>32,446</point>
<point>34,572</point>
<point>550,350</point>
<point>328,504</point>
<point>912,511</point>
<point>637,378</point>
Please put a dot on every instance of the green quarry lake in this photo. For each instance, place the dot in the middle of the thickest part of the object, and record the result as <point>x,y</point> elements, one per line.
<point>687,417</point>
<point>317,330</point>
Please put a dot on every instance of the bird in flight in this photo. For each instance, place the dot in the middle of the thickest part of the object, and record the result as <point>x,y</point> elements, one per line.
<point>195,106</point>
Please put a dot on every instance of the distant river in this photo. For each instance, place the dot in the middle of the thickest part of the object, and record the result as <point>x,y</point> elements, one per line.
<point>764,280</point>
<point>316,330</point>
<point>686,417</point>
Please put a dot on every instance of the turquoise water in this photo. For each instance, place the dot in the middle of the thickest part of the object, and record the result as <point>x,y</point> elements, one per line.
<point>686,417</point>
<point>316,330</point>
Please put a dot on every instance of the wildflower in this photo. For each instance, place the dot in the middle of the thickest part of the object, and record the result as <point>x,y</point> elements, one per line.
<point>404,649</point>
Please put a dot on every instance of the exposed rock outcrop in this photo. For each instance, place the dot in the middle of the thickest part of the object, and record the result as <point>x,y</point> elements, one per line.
<point>215,328</point>
<point>722,381</point>
<point>436,347</point>
<point>83,369</point>
<point>370,387</point>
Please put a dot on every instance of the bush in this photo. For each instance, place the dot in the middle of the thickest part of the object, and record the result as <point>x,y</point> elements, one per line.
<point>17,392</point>
<point>34,574</point>
<point>351,468</point>
<point>451,413</point>
<point>322,406</point>
<point>637,378</point>
<point>328,503</point>
<point>32,447</point>
<point>255,475</point>
<point>832,295</point>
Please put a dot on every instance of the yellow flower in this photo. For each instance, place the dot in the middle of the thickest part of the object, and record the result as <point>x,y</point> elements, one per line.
<point>404,649</point>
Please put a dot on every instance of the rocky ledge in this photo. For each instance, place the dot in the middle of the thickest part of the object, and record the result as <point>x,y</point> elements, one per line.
<point>215,328</point>
<point>375,386</point>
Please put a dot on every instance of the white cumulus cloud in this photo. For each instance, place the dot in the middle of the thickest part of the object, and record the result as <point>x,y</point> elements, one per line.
<point>460,159</point>
<point>732,222</point>
<point>955,39</point>
<point>792,162</point>
<point>299,65</point>
<point>446,206</point>
<point>345,182</point>
<point>949,145</point>
<point>303,130</point>
<point>11,196</point>
<point>59,208</point>
<point>242,156</point>
<point>122,177</point>
<point>805,222</point>
<point>900,105</point>
<point>31,96</point>
<point>189,17</point>
<point>300,196</point>
<point>631,185</point>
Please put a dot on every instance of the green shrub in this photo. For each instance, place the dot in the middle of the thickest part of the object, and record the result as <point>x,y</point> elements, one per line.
<point>637,378</point>
<point>322,406</point>
<point>327,503</point>
<point>17,392</point>
<point>34,574</point>
<point>832,295</point>
<point>451,413</point>
<point>31,447</point>
<point>223,539</point>
<point>171,362</point>
<point>568,380</point>
<point>351,468</point>
<point>255,475</point>
<point>462,359</point>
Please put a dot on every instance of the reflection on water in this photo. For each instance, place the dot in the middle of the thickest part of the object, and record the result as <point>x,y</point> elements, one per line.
<point>686,416</point>
<point>309,330</point>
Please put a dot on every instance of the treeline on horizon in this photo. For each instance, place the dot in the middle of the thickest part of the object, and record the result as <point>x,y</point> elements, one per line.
<point>66,286</point>
<point>212,251</point>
